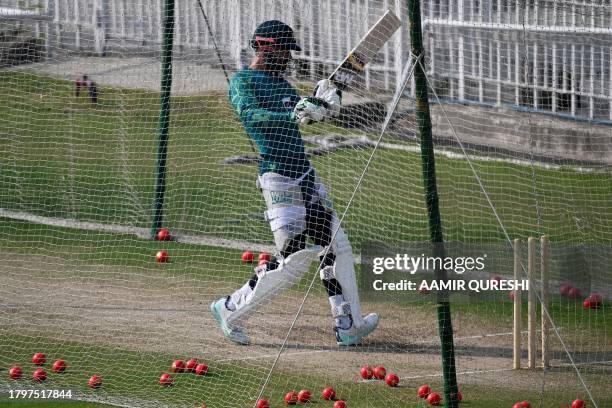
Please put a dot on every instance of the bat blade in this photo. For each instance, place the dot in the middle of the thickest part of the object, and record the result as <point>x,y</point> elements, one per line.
<point>365,50</point>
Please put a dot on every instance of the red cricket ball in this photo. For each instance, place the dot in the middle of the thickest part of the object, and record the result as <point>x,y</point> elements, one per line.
<point>392,380</point>
<point>264,256</point>
<point>329,394</point>
<point>38,359</point>
<point>593,301</point>
<point>166,380</point>
<point>564,289</point>
<point>15,372</point>
<point>59,366</point>
<point>291,398</point>
<point>178,366</point>
<point>191,365</point>
<point>340,404</point>
<point>201,369</point>
<point>517,405</point>
<point>574,293</point>
<point>163,235</point>
<point>95,381</point>
<point>366,372</point>
<point>434,398</point>
<point>380,372</point>
<point>39,375</point>
<point>247,257</point>
<point>578,404</point>
<point>263,403</point>
<point>525,404</point>
<point>304,396</point>
<point>162,256</point>
<point>424,391</point>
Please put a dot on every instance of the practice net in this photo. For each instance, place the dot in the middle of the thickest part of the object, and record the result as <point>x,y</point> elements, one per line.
<point>521,110</point>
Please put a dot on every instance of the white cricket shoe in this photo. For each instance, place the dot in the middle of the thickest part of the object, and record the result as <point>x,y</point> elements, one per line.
<point>354,335</point>
<point>231,332</point>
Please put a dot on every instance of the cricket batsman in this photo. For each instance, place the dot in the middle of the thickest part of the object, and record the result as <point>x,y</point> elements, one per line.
<point>297,204</point>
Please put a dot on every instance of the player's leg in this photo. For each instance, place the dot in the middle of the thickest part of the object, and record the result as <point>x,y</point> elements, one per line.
<point>338,271</point>
<point>287,217</point>
<point>344,271</point>
<point>318,221</point>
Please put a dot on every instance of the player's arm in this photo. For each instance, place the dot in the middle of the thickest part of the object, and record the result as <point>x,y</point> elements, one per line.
<point>246,105</point>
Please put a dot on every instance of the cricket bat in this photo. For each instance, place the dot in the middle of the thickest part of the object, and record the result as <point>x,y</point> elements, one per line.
<point>365,51</point>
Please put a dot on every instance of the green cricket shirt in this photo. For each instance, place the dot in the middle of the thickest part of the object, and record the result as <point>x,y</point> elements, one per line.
<point>264,103</point>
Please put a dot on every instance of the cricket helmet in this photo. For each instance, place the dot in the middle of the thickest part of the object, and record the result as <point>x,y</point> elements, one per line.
<point>274,34</point>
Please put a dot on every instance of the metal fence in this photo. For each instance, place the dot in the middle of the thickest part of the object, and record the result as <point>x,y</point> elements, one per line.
<point>544,54</point>
<point>552,55</point>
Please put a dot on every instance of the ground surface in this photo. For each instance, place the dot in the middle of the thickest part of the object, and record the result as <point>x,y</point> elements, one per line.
<point>97,298</point>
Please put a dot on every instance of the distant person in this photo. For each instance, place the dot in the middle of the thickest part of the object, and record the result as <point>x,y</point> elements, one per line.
<point>78,84</point>
<point>92,89</point>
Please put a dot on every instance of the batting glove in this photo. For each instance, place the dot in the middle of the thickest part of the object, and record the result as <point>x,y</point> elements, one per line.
<point>327,91</point>
<point>310,109</point>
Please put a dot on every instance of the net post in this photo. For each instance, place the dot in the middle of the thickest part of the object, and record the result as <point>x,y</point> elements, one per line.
<point>423,118</point>
<point>164,116</point>
<point>516,351</point>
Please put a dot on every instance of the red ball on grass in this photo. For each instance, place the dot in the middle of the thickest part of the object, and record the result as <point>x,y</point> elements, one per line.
<point>424,391</point>
<point>15,372</point>
<point>392,380</point>
<point>39,375</point>
<point>329,394</point>
<point>166,380</point>
<point>95,381</point>
<point>247,257</point>
<point>366,372</point>
<point>39,359</point>
<point>59,366</point>
<point>434,398</point>
<point>291,398</point>
<point>380,372</point>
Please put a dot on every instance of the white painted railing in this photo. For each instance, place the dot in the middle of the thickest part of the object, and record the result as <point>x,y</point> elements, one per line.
<point>553,55</point>
<point>545,54</point>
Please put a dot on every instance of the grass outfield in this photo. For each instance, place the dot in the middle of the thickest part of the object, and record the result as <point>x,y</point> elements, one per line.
<point>61,157</point>
<point>220,386</point>
<point>50,404</point>
<point>98,164</point>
